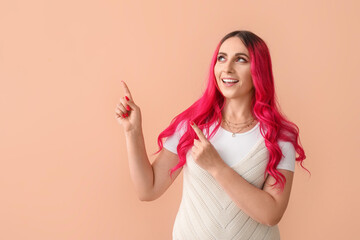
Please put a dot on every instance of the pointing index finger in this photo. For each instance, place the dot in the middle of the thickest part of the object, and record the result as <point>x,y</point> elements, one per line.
<point>198,132</point>
<point>127,91</point>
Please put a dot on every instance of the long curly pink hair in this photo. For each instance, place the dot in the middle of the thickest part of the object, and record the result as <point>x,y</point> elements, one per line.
<point>207,109</point>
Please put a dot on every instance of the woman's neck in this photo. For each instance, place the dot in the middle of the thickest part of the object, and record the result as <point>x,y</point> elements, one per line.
<point>237,112</point>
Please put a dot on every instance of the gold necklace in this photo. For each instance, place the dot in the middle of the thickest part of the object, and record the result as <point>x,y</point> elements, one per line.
<point>227,121</point>
<point>237,131</point>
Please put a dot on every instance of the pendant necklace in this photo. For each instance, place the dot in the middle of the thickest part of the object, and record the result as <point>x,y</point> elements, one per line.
<point>232,127</point>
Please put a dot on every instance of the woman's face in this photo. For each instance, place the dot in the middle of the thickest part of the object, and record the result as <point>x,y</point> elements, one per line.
<point>233,62</point>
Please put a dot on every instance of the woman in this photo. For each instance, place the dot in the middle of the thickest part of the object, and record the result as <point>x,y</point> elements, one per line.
<point>236,148</point>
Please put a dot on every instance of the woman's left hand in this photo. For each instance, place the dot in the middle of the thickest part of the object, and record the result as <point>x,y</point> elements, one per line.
<point>204,153</point>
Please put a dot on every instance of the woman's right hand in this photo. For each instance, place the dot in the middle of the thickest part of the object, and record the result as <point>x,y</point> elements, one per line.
<point>127,113</point>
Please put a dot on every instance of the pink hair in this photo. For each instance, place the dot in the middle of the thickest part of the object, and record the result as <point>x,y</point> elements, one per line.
<point>207,110</point>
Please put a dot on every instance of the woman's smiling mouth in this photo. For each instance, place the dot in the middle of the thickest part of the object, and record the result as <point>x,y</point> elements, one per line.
<point>228,82</point>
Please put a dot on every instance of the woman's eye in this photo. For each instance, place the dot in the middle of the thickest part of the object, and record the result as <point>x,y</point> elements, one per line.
<point>219,57</point>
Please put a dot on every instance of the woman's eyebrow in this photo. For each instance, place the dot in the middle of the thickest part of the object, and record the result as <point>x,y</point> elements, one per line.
<point>236,54</point>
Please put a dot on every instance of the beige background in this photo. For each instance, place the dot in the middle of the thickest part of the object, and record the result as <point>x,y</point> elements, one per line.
<point>64,171</point>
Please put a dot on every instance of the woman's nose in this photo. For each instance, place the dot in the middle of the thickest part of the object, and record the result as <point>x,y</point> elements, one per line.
<point>228,67</point>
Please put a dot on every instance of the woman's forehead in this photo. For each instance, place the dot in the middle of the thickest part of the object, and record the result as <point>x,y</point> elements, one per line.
<point>233,45</point>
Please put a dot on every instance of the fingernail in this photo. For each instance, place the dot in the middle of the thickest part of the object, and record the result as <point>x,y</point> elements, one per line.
<point>127,98</point>
<point>127,107</point>
<point>126,115</point>
<point>123,115</point>
<point>191,123</point>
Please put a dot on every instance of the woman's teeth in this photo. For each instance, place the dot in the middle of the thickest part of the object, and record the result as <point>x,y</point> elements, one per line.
<point>229,82</point>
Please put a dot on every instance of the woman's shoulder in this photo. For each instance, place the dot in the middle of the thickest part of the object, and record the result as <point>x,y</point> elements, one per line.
<point>286,147</point>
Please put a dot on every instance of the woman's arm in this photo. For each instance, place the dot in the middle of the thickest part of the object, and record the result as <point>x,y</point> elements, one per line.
<point>141,171</point>
<point>266,205</point>
<point>150,180</point>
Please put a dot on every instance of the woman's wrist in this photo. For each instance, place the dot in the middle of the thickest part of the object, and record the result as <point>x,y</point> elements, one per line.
<point>133,132</point>
<point>219,169</point>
